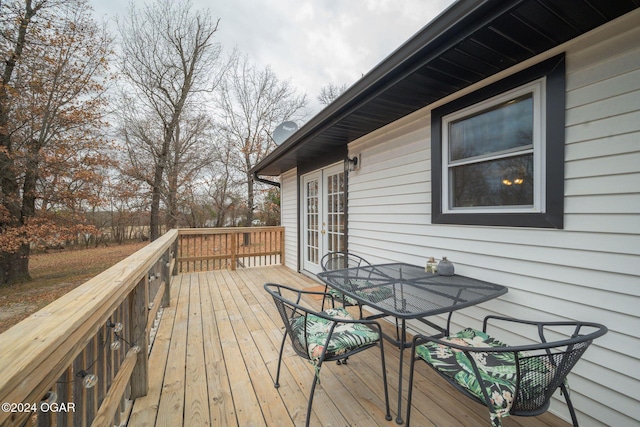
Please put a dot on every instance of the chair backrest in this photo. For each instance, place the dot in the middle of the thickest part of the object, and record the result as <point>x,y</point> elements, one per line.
<point>339,260</point>
<point>541,372</point>
<point>287,301</point>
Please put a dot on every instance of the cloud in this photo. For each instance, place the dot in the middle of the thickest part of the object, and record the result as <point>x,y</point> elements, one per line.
<point>312,42</point>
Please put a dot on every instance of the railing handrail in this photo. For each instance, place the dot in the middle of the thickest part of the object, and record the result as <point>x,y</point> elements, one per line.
<point>227,230</point>
<point>36,352</point>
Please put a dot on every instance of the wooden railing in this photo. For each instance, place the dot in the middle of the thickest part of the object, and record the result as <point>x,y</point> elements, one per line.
<point>202,249</point>
<point>82,359</point>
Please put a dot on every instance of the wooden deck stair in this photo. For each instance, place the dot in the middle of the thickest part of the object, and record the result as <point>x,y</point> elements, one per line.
<point>215,355</point>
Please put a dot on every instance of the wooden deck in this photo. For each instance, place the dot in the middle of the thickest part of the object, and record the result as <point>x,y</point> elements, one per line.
<point>215,355</point>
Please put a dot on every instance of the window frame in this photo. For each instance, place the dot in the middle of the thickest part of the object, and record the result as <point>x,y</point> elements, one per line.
<point>548,207</point>
<point>537,89</point>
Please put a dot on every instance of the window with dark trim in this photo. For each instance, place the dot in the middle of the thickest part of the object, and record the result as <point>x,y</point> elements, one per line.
<point>498,153</point>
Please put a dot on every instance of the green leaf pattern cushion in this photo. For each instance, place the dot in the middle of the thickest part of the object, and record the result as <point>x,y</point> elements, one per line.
<point>342,297</point>
<point>375,294</point>
<point>365,289</point>
<point>345,336</point>
<point>498,369</point>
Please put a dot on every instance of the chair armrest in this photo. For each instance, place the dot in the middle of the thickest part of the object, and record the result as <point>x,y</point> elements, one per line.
<point>594,330</point>
<point>324,295</point>
<point>539,346</point>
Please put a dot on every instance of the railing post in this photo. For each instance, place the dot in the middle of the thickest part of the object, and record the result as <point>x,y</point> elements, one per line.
<point>174,256</point>
<point>166,276</point>
<point>234,238</point>
<point>138,313</point>
<point>281,246</point>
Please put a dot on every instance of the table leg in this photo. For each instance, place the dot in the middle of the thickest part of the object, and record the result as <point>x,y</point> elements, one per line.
<point>403,339</point>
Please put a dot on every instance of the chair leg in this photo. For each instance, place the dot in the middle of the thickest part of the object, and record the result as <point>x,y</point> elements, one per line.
<point>284,338</point>
<point>565,393</point>
<point>324,298</point>
<point>410,388</point>
<point>316,374</point>
<point>384,379</point>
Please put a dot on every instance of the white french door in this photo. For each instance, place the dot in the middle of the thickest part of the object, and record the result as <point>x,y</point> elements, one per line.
<point>323,218</point>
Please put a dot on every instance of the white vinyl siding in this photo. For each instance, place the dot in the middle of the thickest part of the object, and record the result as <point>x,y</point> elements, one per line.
<point>590,270</point>
<point>289,216</point>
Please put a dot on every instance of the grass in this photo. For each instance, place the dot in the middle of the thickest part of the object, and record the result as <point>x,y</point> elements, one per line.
<point>54,274</point>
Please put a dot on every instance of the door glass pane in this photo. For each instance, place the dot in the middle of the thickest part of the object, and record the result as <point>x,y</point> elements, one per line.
<point>312,252</point>
<point>335,212</point>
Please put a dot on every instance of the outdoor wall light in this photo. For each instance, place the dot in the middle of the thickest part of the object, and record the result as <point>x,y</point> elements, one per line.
<point>353,164</point>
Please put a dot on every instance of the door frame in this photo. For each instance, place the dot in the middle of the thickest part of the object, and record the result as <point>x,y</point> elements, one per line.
<point>322,232</point>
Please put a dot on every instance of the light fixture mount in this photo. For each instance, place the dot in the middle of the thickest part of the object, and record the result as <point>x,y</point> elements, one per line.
<point>353,163</point>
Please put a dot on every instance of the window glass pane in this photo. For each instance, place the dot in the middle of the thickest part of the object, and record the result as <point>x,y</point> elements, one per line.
<point>503,127</point>
<point>505,182</point>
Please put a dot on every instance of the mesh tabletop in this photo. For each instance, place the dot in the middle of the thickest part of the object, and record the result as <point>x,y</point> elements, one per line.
<point>407,291</point>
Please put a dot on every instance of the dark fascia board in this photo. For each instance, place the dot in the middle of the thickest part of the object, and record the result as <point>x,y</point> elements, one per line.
<point>368,86</point>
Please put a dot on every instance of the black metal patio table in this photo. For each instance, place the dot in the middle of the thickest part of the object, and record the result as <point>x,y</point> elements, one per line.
<point>406,292</point>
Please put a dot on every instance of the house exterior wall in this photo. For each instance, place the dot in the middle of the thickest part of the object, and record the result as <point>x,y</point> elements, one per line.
<point>590,270</point>
<point>289,216</point>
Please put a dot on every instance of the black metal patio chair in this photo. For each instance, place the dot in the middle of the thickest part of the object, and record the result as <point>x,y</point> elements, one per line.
<point>336,261</point>
<point>322,336</point>
<point>508,380</point>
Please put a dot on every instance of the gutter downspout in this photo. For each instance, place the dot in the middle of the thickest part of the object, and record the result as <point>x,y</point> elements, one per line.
<point>265,181</point>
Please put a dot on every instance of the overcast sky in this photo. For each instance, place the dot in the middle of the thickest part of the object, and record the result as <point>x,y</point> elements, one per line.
<point>311,42</point>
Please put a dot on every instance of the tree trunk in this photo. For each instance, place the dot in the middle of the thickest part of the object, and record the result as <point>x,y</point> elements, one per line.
<point>156,194</point>
<point>172,197</point>
<point>14,267</point>
<point>249,200</point>
<point>154,222</point>
<point>172,202</point>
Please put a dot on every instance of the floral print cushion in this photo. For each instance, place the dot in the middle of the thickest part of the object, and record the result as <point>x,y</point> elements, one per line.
<point>346,337</point>
<point>375,294</point>
<point>370,294</point>
<point>342,297</point>
<point>498,369</point>
<point>364,289</point>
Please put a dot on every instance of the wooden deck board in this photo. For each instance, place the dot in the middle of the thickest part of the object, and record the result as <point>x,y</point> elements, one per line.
<point>196,409</point>
<point>215,357</point>
<point>171,407</point>
<point>222,410</point>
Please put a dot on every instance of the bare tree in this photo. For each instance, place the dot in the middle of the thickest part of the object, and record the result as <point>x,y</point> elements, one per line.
<point>224,182</point>
<point>53,71</point>
<point>190,153</point>
<point>251,104</point>
<point>168,59</point>
<point>330,92</point>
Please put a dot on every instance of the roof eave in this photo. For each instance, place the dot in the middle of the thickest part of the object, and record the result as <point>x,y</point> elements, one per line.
<point>364,87</point>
